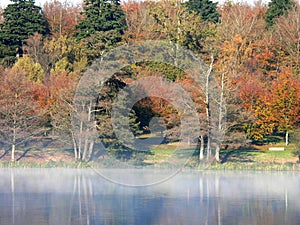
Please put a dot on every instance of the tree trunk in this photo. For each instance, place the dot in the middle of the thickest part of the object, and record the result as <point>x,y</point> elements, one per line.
<point>74,146</point>
<point>208,113</point>
<point>91,150</point>
<point>217,155</point>
<point>79,149</point>
<point>286,138</point>
<point>208,148</point>
<point>86,143</point>
<point>13,149</point>
<point>13,146</point>
<point>220,119</point>
<point>201,153</point>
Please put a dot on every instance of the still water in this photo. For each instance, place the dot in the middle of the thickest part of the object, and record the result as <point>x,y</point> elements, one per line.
<point>71,197</point>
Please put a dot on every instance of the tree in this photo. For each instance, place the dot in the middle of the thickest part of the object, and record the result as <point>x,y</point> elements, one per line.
<point>101,27</point>
<point>66,54</point>
<point>57,99</point>
<point>204,8</point>
<point>285,102</point>
<point>243,20</point>
<point>31,69</point>
<point>287,35</point>
<point>1,16</point>
<point>277,8</point>
<point>21,20</point>
<point>177,24</point>
<point>61,16</point>
<point>101,15</point>
<point>35,49</point>
<point>19,111</point>
<point>275,105</point>
<point>140,23</point>
<point>232,46</point>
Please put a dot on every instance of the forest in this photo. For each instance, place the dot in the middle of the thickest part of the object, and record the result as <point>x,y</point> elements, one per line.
<point>253,52</point>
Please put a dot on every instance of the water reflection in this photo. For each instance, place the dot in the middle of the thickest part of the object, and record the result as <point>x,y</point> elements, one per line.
<point>60,196</point>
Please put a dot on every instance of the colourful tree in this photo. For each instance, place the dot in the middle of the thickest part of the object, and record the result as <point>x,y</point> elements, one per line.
<point>57,99</point>
<point>33,70</point>
<point>140,24</point>
<point>275,106</point>
<point>20,114</point>
<point>61,16</point>
<point>284,98</point>
<point>66,54</point>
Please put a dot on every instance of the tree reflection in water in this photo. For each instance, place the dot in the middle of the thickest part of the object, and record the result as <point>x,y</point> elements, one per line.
<point>71,197</point>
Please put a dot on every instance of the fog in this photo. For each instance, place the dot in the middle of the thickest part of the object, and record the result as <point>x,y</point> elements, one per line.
<point>71,196</point>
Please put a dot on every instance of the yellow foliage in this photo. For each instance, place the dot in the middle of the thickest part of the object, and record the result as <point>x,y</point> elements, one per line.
<point>31,69</point>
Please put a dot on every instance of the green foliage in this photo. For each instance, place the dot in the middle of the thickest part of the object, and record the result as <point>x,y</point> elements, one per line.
<point>95,45</point>
<point>204,8</point>
<point>177,24</point>
<point>170,72</point>
<point>101,28</point>
<point>277,8</point>
<point>66,54</point>
<point>21,20</point>
<point>106,99</point>
<point>100,15</point>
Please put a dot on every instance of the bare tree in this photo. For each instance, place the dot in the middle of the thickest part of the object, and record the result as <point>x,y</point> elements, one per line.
<point>287,34</point>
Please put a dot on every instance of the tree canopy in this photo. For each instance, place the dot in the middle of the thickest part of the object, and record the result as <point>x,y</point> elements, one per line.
<point>21,20</point>
<point>101,15</point>
<point>205,8</point>
<point>277,8</point>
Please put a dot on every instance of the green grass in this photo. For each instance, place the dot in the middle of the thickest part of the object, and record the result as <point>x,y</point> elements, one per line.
<point>163,151</point>
<point>258,157</point>
<point>254,166</point>
<point>50,164</point>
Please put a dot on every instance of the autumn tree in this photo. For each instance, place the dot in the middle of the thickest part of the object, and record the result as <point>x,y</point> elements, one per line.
<point>275,106</point>
<point>140,24</point>
<point>21,20</point>
<point>20,115</point>
<point>177,24</point>
<point>66,54</point>
<point>284,102</point>
<point>62,17</point>
<point>35,49</point>
<point>57,98</point>
<point>30,68</point>
<point>231,53</point>
<point>287,35</point>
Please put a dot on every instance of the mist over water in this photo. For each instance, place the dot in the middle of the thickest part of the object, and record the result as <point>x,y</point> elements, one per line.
<point>71,196</point>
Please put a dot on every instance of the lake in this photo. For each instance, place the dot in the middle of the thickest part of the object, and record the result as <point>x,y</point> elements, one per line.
<point>81,196</point>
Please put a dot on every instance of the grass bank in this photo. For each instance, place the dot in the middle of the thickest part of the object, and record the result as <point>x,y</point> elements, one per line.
<point>254,158</point>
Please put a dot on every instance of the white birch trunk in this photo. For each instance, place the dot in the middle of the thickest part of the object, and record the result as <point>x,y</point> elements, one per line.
<point>208,113</point>
<point>201,154</point>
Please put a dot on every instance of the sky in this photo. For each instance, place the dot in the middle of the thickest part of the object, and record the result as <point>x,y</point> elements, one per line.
<point>4,3</point>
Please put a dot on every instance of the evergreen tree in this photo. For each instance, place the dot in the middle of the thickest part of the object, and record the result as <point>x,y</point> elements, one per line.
<point>277,8</point>
<point>204,8</point>
<point>21,20</point>
<point>101,16</point>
